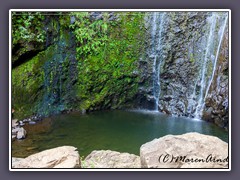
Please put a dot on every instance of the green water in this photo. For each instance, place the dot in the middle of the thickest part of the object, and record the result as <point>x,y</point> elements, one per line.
<point>123,131</point>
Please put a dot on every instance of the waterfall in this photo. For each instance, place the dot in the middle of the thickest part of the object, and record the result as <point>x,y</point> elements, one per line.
<point>216,57</point>
<point>212,49</point>
<point>210,41</point>
<point>156,53</point>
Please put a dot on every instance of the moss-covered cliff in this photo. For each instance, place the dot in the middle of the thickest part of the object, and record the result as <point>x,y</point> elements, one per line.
<point>87,61</point>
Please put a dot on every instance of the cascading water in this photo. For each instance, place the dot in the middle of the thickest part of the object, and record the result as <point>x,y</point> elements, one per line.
<point>212,49</point>
<point>156,53</point>
<point>209,48</point>
<point>216,57</point>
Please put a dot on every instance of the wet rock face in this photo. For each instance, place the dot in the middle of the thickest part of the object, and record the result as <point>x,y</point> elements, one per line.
<point>100,15</point>
<point>180,39</point>
<point>48,76</point>
<point>217,103</point>
<point>184,41</point>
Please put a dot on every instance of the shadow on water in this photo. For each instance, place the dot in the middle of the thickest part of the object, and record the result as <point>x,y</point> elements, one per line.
<point>123,131</point>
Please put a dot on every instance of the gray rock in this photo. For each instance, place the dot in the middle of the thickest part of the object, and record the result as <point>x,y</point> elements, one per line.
<point>21,133</point>
<point>72,19</point>
<point>168,97</point>
<point>16,161</point>
<point>207,114</point>
<point>180,106</point>
<point>96,15</point>
<point>15,130</point>
<point>150,98</point>
<point>111,159</point>
<point>83,111</point>
<point>169,152</point>
<point>177,29</point>
<point>32,122</point>
<point>60,157</point>
<point>25,120</point>
<point>22,124</point>
<point>192,104</point>
<point>14,123</point>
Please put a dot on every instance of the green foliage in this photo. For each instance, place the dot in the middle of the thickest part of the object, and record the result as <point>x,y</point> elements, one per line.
<point>91,35</point>
<point>27,26</point>
<point>84,165</point>
<point>106,72</point>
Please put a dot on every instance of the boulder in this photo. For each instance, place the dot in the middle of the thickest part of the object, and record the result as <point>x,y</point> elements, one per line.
<point>60,157</point>
<point>21,124</point>
<point>16,161</point>
<point>191,150</point>
<point>14,123</point>
<point>13,137</point>
<point>15,130</point>
<point>111,159</point>
<point>21,133</point>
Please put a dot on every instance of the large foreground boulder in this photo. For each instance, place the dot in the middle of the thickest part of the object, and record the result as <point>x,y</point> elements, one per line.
<point>111,159</point>
<point>191,150</point>
<point>60,157</point>
<point>16,161</point>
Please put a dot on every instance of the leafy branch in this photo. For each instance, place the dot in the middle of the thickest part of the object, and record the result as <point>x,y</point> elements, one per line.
<point>91,34</point>
<point>27,26</point>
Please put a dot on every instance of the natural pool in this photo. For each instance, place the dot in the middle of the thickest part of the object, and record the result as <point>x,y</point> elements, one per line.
<point>123,131</point>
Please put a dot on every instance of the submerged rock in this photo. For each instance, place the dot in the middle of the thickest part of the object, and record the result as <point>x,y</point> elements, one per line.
<point>111,159</point>
<point>60,157</point>
<point>191,150</point>
<point>32,122</point>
